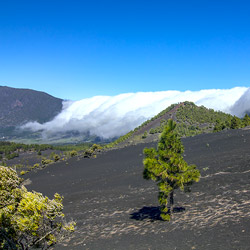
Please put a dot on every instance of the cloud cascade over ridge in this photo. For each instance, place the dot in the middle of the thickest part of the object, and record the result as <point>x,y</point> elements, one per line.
<point>111,116</point>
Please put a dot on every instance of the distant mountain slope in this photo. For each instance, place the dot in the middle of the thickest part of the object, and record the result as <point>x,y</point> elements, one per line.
<point>22,105</point>
<point>190,118</point>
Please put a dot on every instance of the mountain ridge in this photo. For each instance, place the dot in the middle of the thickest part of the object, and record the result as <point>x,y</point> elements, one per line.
<point>191,120</point>
<point>22,105</point>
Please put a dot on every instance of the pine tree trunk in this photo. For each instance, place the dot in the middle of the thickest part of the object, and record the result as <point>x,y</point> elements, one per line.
<point>171,201</point>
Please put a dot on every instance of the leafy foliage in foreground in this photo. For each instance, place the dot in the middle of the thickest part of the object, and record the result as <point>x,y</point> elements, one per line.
<point>29,219</point>
<point>166,166</point>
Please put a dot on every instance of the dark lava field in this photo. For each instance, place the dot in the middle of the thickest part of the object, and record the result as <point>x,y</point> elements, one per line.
<point>115,208</point>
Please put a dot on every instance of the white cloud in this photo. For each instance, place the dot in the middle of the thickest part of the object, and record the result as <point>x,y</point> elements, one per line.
<point>110,116</point>
<point>242,106</point>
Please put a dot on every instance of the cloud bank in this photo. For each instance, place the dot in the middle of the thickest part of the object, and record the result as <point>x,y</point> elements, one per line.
<point>111,116</point>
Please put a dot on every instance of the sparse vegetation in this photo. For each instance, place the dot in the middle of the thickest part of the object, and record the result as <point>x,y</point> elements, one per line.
<point>23,172</point>
<point>166,166</point>
<point>11,156</point>
<point>56,157</point>
<point>73,153</point>
<point>77,147</point>
<point>10,150</point>
<point>120,139</point>
<point>246,120</point>
<point>96,147</point>
<point>91,152</point>
<point>145,135</point>
<point>46,161</point>
<point>37,165</point>
<point>236,123</point>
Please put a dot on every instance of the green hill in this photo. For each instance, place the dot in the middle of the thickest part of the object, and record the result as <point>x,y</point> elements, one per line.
<point>191,120</point>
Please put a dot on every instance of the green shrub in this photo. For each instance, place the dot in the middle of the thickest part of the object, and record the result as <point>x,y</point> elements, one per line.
<point>56,158</point>
<point>96,147</point>
<point>29,220</point>
<point>246,120</point>
<point>152,131</point>
<point>12,156</point>
<point>144,136</point>
<point>4,163</point>
<point>236,123</point>
<point>88,153</point>
<point>46,161</point>
<point>37,165</point>
<point>23,172</point>
<point>73,153</point>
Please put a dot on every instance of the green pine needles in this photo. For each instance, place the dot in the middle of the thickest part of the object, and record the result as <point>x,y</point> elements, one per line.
<point>166,166</point>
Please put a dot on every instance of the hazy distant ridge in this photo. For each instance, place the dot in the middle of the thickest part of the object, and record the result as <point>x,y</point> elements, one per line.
<point>113,116</point>
<point>19,106</point>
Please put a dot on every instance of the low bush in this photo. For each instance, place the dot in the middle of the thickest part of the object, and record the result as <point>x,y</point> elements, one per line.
<point>88,153</point>
<point>23,172</point>
<point>73,153</point>
<point>144,136</point>
<point>46,161</point>
<point>11,156</point>
<point>96,147</point>
<point>56,158</point>
<point>29,220</point>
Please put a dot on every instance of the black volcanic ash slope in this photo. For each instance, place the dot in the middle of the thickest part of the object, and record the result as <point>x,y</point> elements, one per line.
<point>22,105</point>
<point>115,208</point>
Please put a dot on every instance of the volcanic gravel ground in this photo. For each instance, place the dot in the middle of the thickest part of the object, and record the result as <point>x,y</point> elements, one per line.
<point>115,208</point>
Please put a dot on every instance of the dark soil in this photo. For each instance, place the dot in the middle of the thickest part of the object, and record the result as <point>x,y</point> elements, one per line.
<point>115,208</point>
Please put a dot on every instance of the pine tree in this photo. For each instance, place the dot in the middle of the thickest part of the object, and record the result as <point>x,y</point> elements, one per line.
<point>246,120</point>
<point>166,166</point>
<point>236,123</point>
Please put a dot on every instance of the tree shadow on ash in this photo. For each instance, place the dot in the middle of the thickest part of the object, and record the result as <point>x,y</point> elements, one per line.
<point>152,213</point>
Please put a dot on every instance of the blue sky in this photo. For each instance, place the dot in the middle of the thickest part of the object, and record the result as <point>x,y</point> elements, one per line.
<point>78,49</point>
